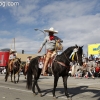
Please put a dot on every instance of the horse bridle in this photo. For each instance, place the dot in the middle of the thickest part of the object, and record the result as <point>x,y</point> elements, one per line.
<point>61,63</point>
<point>76,56</point>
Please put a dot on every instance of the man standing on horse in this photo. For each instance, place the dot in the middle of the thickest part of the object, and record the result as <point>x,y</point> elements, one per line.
<point>50,42</point>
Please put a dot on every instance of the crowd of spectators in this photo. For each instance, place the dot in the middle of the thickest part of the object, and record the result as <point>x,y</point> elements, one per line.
<point>90,68</point>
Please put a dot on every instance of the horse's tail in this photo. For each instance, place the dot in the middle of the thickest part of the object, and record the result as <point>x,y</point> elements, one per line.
<point>29,77</point>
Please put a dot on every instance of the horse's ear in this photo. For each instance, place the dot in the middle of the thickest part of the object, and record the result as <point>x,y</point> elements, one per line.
<point>76,46</point>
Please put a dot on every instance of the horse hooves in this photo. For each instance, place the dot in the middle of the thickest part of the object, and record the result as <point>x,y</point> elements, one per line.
<point>69,98</point>
<point>34,94</point>
<point>55,97</point>
<point>40,94</point>
<point>15,82</point>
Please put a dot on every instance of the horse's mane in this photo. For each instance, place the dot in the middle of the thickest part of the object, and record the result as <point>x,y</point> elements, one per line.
<point>69,49</point>
<point>67,52</point>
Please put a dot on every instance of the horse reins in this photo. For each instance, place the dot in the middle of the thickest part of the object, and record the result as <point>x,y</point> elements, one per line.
<point>66,57</point>
<point>61,63</point>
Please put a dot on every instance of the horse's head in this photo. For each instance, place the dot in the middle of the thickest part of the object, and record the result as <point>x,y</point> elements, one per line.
<point>17,62</point>
<point>78,55</point>
<point>74,54</point>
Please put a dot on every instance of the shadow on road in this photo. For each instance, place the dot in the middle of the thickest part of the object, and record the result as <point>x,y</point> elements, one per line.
<point>77,91</point>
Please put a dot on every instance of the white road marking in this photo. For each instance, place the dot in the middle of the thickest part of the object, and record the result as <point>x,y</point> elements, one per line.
<point>87,84</point>
<point>26,91</point>
<point>14,89</point>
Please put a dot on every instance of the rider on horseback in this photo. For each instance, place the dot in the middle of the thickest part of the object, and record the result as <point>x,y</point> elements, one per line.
<point>50,42</point>
<point>27,62</point>
<point>12,57</point>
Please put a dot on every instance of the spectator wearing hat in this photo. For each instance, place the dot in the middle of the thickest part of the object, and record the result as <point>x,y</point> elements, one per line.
<point>50,42</point>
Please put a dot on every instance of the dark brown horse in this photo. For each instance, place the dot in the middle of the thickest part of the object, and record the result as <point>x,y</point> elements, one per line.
<point>58,69</point>
<point>15,70</point>
<point>24,69</point>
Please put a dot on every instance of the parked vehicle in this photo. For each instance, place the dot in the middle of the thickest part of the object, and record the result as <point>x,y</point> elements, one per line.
<point>4,57</point>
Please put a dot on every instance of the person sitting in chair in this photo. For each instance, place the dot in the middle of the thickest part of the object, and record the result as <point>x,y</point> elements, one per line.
<point>50,42</point>
<point>12,57</point>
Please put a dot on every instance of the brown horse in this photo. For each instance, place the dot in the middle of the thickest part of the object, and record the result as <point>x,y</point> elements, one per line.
<point>24,68</point>
<point>15,70</point>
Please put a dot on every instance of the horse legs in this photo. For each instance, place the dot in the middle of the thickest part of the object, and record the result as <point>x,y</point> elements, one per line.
<point>25,76</point>
<point>33,87</point>
<point>16,81</point>
<point>55,85</point>
<point>38,89</point>
<point>18,77</point>
<point>7,74</point>
<point>35,83</point>
<point>14,78</point>
<point>11,76</point>
<point>65,85</point>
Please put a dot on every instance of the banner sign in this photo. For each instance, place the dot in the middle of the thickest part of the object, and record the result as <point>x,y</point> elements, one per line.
<point>94,49</point>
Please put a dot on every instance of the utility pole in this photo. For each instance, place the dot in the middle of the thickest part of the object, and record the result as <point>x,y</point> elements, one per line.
<point>14,43</point>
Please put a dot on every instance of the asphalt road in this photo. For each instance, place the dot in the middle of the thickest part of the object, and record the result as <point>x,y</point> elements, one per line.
<point>79,89</point>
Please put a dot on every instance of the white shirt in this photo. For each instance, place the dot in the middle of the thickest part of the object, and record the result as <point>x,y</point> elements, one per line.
<point>11,57</point>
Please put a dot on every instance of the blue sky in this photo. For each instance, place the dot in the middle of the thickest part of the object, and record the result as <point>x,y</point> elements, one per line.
<point>77,22</point>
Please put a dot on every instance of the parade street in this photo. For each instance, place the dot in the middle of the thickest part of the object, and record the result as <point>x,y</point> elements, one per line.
<point>79,89</point>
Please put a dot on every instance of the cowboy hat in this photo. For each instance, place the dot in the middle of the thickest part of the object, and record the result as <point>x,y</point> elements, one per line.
<point>29,56</point>
<point>12,51</point>
<point>51,30</point>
